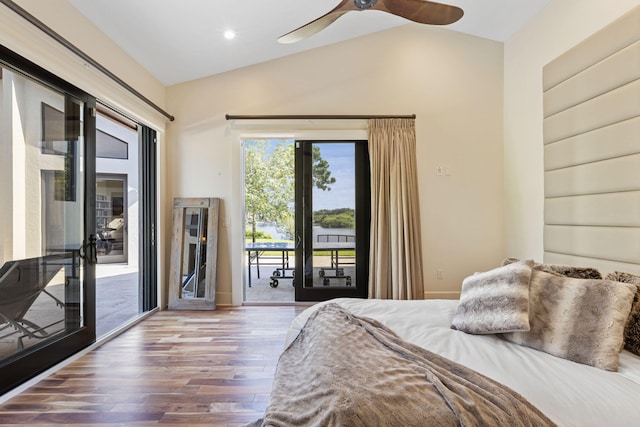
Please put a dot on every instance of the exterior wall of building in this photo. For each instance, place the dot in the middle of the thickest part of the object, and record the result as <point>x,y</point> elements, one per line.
<point>33,219</point>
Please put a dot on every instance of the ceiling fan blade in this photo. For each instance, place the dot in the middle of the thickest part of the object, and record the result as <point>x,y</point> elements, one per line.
<point>319,24</point>
<point>421,11</point>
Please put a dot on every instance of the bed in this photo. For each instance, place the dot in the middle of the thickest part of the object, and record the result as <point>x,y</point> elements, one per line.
<point>566,392</point>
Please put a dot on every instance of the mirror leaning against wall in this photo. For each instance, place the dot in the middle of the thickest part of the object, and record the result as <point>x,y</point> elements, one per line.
<point>193,254</point>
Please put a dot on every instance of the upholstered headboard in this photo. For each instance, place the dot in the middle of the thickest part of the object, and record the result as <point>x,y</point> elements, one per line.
<point>592,151</point>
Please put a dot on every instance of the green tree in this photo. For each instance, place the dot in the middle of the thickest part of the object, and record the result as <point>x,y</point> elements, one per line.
<point>270,182</point>
<point>321,174</point>
<point>335,218</point>
<point>265,200</point>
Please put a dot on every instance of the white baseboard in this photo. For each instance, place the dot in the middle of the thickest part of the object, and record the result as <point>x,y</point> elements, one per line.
<point>442,295</point>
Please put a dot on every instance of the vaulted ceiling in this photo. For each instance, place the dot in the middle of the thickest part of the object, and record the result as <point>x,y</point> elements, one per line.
<point>182,40</point>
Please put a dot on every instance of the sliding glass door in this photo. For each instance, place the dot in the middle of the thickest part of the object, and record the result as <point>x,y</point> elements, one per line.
<point>53,138</point>
<point>119,208</point>
<point>47,254</point>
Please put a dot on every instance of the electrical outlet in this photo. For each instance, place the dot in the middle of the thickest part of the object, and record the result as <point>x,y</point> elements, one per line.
<point>439,274</point>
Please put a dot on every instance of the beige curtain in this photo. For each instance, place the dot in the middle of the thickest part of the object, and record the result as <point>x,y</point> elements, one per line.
<point>395,270</point>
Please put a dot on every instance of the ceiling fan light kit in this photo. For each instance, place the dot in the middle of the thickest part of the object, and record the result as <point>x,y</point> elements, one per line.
<point>364,4</point>
<point>420,11</point>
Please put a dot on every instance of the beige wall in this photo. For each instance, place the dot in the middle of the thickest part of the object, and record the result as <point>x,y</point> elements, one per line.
<point>560,26</point>
<point>453,82</point>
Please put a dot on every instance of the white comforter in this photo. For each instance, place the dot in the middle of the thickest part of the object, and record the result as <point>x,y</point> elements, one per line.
<point>569,393</point>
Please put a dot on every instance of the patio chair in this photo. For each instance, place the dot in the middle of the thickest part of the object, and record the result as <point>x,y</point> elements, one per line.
<point>21,283</point>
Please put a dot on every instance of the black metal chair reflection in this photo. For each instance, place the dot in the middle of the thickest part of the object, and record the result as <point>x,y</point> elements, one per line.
<point>21,283</point>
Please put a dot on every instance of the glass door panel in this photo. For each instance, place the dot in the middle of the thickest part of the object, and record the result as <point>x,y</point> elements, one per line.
<point>124,280</point>
<point>333,243</point>
<point>40,272</point>
<point>332,219</point>
<point>269,203</point>
<point>43,286</point>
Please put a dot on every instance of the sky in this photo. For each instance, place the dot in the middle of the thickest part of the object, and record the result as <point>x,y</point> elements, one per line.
<point>341,164</point>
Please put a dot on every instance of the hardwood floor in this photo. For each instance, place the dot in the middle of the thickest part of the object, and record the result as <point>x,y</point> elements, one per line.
<point>173,369</point>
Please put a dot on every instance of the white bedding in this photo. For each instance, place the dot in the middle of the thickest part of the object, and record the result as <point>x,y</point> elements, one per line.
<point>569,393</point>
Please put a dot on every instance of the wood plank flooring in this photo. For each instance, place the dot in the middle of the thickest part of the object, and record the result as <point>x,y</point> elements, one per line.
<point>173,369</point>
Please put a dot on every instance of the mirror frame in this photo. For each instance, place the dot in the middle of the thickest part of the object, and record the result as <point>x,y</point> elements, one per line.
<point>176,302</point>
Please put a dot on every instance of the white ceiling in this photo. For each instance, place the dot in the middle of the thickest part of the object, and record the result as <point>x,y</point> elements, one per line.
<point>182,40</point>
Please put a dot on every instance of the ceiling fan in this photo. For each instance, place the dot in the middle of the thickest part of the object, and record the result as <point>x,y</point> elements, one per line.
<point>421,11</point>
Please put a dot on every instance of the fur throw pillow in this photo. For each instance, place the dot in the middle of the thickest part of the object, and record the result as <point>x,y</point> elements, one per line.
<point>632,330</point>
<point>576,319</point>
<point>569,271</point>
<point>495,301</point>
<point>563,270</point>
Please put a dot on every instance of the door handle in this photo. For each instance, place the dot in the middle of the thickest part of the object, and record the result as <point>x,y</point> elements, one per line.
<point>93,249</point>
<point>89,250</point>
<point>298,240</point>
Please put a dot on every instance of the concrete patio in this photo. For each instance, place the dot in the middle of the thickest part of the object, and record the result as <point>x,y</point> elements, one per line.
<point>261,291</point>
<point>116,304</point>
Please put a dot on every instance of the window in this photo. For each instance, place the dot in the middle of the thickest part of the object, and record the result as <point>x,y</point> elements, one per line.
<point>110,147</point>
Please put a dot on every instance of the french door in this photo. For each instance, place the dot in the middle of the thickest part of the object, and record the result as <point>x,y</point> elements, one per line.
<point>332,215</point>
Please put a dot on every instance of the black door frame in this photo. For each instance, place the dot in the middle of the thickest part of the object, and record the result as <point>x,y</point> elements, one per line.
<point>304,215</point>
<point>148,219</point>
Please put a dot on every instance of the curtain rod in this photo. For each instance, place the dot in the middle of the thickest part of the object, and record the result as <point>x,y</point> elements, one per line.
<point>57,37</point>
<point>315,117</point>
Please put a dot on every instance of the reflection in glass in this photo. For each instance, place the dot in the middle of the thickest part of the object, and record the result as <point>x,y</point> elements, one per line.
<point>41,227</point>
<point>111,219</point>
<point>194,259</point>
<point>33,299</point>
<point>119,294</point>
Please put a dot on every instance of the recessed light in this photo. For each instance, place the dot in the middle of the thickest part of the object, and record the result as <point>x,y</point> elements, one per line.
<point>229,34</point>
